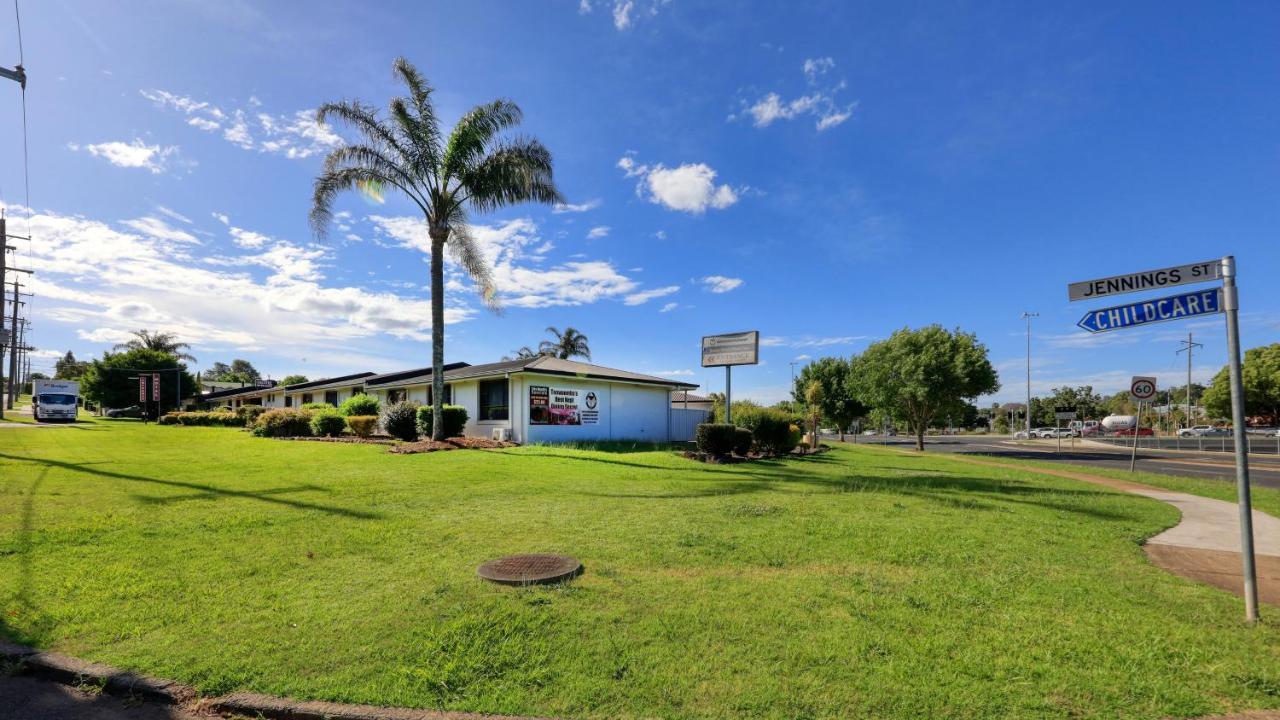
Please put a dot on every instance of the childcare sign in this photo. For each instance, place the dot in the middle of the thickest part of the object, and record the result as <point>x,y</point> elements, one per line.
<point>563,406</point>
<point>1174,307</point>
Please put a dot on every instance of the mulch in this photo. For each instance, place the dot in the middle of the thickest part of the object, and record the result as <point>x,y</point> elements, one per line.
<point>458,443</point>
<point>343,439</point>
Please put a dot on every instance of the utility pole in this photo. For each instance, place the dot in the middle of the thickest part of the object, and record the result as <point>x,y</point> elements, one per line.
<point>15,345</point>
<point>1189,345</point>
<point>1027,316</point>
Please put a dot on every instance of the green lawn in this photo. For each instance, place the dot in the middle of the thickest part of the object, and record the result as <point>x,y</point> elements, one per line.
<point>859,583</point>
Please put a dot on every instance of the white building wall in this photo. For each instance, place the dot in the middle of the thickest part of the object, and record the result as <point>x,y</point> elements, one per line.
<point>622,411</point>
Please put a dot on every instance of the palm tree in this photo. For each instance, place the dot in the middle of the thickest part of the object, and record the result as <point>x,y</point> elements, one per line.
<point>475,169</point>
<point>567,344</point>
<point>524,353</point>
<point>164,342</point>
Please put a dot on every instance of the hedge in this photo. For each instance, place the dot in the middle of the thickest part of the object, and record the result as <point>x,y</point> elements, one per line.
<point>216,418</point>
<point>455,420</point>
<point>774,431</point>
<point>400,420</point>
<point>715,438</point>
<point>248,414</point>
<point>327,423</point>
<point>358,405</point>
<point>283,422</point>
<point>362,425</point>
<point>316,406</point>
<point>742,440</point>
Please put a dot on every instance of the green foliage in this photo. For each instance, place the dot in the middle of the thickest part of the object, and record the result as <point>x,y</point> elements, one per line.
<point>327,423</point>
<point>68,368</point>
<point>715,438</point>
<point>293,380</point>
<point>1260,375</point>
<point>455,420</point>
<point>740,407</point>
<point>834,375</point>
<point>919,374</point>
<point>107,382</point>
<point>214,418</point>
<point>361,404</point>
<point>567,344</point>
<point>742,440</point>
<point>362,425</point>
<point>248,414</point>
<point>283,422</point>
<point>774,431</point>
<point>317,406</point>
<point>241,371</point>
<point>400,420</point>
<point>1088,403</point>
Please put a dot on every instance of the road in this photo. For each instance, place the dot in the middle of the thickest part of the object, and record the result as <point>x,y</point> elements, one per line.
<point>1212,464</point>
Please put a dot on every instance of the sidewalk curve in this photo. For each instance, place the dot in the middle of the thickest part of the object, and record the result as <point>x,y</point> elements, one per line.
<point>1205,545</point>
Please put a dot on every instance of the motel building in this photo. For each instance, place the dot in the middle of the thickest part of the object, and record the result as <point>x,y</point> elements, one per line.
<point>539,399</point>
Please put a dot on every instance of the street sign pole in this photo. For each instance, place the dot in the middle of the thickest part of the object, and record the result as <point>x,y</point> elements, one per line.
<point>1231,302</point>
<point>1137,423</point>
<point>728,394</point>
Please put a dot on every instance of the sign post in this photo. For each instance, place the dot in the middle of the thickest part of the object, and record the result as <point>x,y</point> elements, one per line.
<point>1176,307</point>
<point>1060,413</point>
<point>728,350</point>
<point>1142,388</point>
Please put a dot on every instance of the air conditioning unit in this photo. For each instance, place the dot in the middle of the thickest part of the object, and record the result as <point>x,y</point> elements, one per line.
<point>502,434</point>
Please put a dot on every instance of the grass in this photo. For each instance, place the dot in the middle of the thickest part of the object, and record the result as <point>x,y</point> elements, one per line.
<point>859,583</point>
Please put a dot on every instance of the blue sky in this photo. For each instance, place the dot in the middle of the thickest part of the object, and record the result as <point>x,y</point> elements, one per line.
<point>823,172</point>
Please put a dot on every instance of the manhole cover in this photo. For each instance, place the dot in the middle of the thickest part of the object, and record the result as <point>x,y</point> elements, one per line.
<point>535,569</point>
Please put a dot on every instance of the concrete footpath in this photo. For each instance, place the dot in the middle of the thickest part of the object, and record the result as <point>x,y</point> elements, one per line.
<point>1205,545</point>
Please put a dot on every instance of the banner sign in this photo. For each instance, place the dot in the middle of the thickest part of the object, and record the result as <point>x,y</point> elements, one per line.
<point>142,388</point>
<point>732,349</point>
<point>562,406</point>
<point>155,387</point>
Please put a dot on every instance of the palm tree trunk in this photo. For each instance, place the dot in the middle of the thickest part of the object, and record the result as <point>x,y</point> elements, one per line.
<point>438,237</point>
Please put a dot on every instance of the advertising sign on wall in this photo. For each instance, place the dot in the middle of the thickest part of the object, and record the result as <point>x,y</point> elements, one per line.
<point>562,406</point>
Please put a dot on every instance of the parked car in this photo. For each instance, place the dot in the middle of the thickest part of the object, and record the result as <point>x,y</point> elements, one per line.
<point>133,411</point>
<point>1044,432</point>
<point>1194,430</point>
<point>1061,432</point>
<point>1142,432</point>
<point>1020,435</point>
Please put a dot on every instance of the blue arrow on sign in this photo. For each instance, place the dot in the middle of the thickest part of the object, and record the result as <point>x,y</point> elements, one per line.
<point>1174,307</point>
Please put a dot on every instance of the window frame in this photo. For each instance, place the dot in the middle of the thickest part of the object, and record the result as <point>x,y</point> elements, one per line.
<point>485,410</point>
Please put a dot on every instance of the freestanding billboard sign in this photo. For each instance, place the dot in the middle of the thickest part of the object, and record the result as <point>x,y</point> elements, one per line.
<point>741,348</point>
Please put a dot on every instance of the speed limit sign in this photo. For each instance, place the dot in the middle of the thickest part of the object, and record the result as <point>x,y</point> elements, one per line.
<point>1142,389</point>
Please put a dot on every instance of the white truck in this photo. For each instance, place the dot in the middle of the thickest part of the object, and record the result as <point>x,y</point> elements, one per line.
<point>1119,422</point>
<point>55,400</point>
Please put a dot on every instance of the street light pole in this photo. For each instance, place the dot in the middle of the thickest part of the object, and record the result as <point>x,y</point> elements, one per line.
<point>1027,316</point>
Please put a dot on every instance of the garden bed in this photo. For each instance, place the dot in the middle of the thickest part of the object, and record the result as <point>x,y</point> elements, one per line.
<point>457,443</point>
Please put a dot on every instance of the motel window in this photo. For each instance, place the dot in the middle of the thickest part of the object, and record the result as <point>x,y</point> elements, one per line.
<point>448,394</point>
<point>331,397</point>
<point>288,401</point>
<point>395,396</point>
<point>306,398</point>
<point>493,399</point>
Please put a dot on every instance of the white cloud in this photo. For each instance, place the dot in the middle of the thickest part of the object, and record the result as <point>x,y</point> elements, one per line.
<point>720,283</point>
<point>644,296</point>
<point>669,307</point>
<point>293,135</point>
<point>173,214</point>
<point>159,229</point>
<point>598,232</point>
<point>673,373</point>
<point>248,238</point>
<point>222,218</point>
<point>622,14</point>
<point>688,188</point>
<point>809,341</point>
<point>560,208</point>
<point>661,234</point>
<point>136,154</point>
<point>510,247</point>
<point>802,357</point>
<point>821,103</point>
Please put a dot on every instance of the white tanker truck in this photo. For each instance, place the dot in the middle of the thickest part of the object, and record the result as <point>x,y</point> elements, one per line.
<point>1119,422</point>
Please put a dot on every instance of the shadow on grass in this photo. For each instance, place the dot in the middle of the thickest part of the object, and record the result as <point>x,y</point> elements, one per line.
<point>266,496</point>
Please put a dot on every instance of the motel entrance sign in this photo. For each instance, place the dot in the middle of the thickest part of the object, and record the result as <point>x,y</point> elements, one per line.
<point>742,348</point>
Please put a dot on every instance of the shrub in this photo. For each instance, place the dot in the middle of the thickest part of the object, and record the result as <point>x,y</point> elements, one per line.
<point>317,406</point>
<point>222,418</point>
<point>327,423</point>
<point>283,422</point>
<point>248,414</point>
<point>715,438</point>
<point>455,420</point>
<point>400,420</point>
<point>775,432</point>
<point>741,441</point>
<point>362,425</point>
<point>359,405</point>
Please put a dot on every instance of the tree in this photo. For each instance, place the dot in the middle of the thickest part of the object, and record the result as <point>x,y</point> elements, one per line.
<point>112,381</point>
<point>1086,402</point>
<point>838,402</point>
<point>164,342</point>
<point>476,169</point>
<point>1119,404</point>
<point>1260,375</point>
<point>241,371</point>
<point>68,368</point>
<point>814,399</point>
<point>919,374</point>
<point>524,353</point>
<point>293,379</point>
<point>567,344</point>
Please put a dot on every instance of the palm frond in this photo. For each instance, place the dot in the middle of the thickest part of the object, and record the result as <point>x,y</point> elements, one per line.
<point>420,95</point>
<point>364,119</point>
<point>518,170</point>
<point>328,186</point>
<point>466,252</point>
<point>471,136</point>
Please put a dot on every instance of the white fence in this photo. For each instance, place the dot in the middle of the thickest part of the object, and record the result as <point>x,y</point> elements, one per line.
<point>685,422</point>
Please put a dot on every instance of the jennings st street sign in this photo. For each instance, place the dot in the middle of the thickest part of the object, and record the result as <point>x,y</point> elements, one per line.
<point>1147,280</point>
<point>1174,307</point>
<point>732,349</point>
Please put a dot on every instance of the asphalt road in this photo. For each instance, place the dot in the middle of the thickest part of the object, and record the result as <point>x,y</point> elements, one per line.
<point>1264,469</point>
